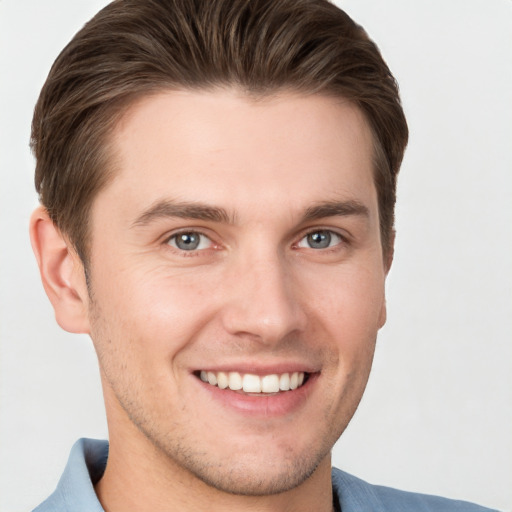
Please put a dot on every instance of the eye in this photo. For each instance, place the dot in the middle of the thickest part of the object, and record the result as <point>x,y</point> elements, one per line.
<point>190,241</point>
<point>321,239</point>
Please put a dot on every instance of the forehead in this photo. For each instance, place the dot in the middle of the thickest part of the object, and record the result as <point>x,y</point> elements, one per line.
<point>224,146</point>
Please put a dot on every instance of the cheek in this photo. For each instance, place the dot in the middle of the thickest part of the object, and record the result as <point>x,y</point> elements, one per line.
<point>351,312</point>
<point>350,303</point>
<point>152,308</point>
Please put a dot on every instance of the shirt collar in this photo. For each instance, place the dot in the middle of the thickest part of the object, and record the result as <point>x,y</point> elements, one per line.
<point>75,490</point>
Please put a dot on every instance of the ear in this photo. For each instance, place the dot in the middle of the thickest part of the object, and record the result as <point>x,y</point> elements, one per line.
<point>388,260</point>
<point>62,273</point>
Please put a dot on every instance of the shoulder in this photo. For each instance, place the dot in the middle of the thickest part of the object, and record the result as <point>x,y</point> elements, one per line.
<point>355,494</point>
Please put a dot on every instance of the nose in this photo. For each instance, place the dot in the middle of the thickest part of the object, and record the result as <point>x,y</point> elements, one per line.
<point>263,300</point>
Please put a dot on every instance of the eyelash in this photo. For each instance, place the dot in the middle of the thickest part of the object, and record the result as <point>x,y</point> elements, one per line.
<point>192,252</point>
<point>330,234</point>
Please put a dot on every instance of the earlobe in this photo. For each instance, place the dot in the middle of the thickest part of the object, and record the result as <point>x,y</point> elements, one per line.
<point>383,314</point>
<point>61,272</point>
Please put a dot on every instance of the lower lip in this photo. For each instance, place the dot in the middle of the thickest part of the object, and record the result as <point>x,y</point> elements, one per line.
<point>271,405</point>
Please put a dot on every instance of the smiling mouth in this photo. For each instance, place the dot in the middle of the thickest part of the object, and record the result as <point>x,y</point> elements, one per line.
<point>250,383</point>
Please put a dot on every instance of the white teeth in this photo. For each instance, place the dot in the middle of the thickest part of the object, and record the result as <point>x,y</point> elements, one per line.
<point>251,383</point>
<point>284,382</point>
<point>222,380</point>
<point>235,381</point>
<point>270,384</point>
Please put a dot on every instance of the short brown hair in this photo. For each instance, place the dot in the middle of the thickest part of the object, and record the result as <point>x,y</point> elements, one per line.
<point>133,48</point>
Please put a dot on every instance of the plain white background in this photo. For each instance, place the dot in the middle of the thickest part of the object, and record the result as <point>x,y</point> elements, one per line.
<point>437,415</point>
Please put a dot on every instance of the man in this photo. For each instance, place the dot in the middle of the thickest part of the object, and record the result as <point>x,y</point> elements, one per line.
<point>217,182</point>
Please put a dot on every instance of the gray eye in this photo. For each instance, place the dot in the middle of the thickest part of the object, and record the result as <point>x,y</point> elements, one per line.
<point>321,239</point>
<point>190,241</point>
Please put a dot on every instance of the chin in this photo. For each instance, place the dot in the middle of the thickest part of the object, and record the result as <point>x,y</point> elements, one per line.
<point>244,469</point>
<point>248,479</point>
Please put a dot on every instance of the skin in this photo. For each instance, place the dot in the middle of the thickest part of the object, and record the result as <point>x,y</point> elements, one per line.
<point>255,296</point>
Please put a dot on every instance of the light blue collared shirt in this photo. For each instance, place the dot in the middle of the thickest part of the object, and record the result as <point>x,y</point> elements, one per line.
<point>88,459</point>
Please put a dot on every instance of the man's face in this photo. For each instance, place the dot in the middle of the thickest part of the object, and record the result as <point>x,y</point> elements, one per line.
<point>238,243</point>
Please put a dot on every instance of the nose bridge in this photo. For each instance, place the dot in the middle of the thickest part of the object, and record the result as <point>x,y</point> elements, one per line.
<point>262,299</point>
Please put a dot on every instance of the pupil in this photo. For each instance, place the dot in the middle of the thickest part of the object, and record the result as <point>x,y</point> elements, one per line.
<point>187,241</point>
<point>319,239</point>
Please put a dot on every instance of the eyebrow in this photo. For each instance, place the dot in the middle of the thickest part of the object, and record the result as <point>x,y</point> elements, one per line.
<point>199,211</point>
<point>334,209</point>
<point>184,210</point>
